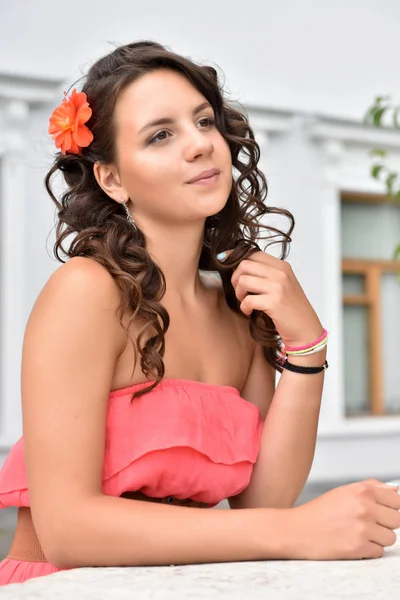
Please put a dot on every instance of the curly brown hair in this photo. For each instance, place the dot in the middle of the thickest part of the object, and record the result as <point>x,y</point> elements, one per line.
<point>103,233</point>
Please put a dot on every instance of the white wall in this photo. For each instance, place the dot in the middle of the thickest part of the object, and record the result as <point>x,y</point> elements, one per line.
<point>323,56</point>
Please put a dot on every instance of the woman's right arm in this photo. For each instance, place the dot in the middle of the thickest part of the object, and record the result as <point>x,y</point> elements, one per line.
<point>71,346</point>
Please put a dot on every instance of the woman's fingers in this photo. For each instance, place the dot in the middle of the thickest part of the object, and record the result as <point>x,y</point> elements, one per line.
<point>249,283</point>
<point>382,535</point>
<point>248,267</point>
<point>387,496</point>
<point>387,517</point>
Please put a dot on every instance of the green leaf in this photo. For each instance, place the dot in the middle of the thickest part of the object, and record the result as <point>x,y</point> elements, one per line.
<point>378,115</point>
<point>390,179</point>
<point>378,152</point>
<point>396,254</point>
<point>370,115</point>
<point>374,113</point>
<point>375,170</point>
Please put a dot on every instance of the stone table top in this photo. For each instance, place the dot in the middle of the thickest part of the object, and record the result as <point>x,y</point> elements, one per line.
<point>377,579</point>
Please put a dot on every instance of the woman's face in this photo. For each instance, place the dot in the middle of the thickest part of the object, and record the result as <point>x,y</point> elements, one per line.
<point>156,161</point>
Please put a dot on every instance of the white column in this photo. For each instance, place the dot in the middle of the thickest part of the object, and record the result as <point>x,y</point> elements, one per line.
<point>12,251</point>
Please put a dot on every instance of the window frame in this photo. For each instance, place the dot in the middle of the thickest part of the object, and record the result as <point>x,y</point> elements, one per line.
<point>372,271</point>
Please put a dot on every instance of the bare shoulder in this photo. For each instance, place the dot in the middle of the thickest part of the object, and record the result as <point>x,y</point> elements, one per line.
<point>80,288</point>
<point>80,275</point>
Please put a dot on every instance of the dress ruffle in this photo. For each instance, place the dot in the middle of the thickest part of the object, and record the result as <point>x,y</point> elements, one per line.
<point>188,440</point>
<point>185,438</point>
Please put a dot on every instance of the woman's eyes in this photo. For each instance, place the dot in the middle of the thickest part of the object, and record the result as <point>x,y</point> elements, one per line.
<point>211,122</point>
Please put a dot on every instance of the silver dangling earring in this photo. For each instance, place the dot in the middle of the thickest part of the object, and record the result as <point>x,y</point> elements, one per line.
<point>128,214</point>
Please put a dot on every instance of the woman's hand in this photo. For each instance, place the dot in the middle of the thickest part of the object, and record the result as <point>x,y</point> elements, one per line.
<point>263,282</point>
<point>349,522</point>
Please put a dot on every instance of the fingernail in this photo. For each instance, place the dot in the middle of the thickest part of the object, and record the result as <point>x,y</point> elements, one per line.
<point>221,256</point>
<point>393,484</point>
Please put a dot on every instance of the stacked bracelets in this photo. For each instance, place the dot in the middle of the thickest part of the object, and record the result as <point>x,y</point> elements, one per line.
<point>314,347</point>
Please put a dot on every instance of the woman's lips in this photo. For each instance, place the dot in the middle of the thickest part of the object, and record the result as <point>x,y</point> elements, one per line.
<point>207,180</point>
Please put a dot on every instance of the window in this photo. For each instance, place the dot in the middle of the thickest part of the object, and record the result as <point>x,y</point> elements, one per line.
<point>371,303</point>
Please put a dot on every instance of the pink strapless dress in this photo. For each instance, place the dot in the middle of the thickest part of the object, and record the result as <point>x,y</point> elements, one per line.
<point>184,438</point>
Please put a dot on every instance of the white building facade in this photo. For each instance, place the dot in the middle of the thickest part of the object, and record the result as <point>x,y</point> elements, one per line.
<point>309,161</point>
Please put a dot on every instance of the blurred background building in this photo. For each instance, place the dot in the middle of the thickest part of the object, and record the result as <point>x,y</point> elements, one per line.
<point>305,72</point>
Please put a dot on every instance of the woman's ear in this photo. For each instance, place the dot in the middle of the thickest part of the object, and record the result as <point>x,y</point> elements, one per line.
<point>109,180</point>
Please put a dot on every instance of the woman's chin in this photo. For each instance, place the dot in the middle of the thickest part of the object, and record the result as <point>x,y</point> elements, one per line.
<point>211,206</point>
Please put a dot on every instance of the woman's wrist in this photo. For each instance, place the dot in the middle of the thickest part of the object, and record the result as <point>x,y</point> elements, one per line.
<point>312,360</point>
<point>309,351</point>
<point>280,534</point>
<point>307,338</point>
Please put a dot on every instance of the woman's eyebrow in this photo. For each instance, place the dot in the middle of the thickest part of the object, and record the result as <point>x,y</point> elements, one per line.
<point>169,121</point>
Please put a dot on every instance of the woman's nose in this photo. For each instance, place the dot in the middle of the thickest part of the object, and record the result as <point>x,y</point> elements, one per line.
<point>198,143</point>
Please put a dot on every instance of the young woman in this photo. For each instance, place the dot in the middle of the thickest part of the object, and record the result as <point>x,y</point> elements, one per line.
<point>149,358</point>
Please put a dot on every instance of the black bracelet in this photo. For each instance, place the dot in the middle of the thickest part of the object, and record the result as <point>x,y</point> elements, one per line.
<point>305,370</point>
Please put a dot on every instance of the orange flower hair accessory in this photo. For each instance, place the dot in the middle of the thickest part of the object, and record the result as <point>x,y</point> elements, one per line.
<point>67,123</point>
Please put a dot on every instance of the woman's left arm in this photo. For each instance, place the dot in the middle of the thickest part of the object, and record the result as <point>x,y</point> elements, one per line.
<point>288,435</point>
<point>291,411</point>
